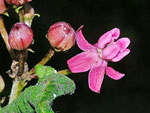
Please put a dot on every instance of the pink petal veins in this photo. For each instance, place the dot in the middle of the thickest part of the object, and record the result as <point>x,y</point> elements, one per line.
<point>83,44</point>
<point>113,73</point>
<point>82,62</point>
<point>123,42</point>
<point>96,76</point>
<point>121,55</point>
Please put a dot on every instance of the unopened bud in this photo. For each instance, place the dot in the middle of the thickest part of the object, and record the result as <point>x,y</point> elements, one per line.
<point>61,36</point>
<point>28,14</point>
<point>2,6</point>
<point>17,2</point>
<point>20,36</point>
<point>2,84</point>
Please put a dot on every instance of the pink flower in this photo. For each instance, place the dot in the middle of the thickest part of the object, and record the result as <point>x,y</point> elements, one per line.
<point>95,57</point>
<point>17,2</point>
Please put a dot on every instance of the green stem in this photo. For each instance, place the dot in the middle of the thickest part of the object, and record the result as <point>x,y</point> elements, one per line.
<point>65,72</point>
<point>21,63</point>
<point>44,60</point>
<point>17,87</point>
<point>5,38</point>
<point>47,57</point>
<point>21,15</point>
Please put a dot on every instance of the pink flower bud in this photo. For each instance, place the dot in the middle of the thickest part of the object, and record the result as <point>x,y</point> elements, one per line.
<point>2,6</point>
<point>20,36</point>
<point>17,2</point>
<point>61,36</point>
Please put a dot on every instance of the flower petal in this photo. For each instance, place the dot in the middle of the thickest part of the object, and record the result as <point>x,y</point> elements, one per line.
<point>121,55</point>
<point>82,62</point>
<point>110,52</point>
<point>123,42</point>
<point>115,32</point>
<point>107,37</point>
<point>113,73</point>
<point>104,39</point>
<point>83,44</point>
<point>96,76</point>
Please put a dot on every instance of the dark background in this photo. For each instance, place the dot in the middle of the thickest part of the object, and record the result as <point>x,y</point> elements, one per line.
<point>128,95</point>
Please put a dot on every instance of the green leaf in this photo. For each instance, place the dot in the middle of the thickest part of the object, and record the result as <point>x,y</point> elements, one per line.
<point>39,98</point>
<point>43,70</point>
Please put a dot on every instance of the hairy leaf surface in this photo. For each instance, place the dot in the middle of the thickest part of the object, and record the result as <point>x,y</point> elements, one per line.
<point>39,98</point>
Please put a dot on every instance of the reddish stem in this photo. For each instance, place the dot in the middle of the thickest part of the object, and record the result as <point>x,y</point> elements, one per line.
<point>5,37</point>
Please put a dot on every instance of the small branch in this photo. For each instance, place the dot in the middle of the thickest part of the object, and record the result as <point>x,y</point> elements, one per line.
<point>5,38</point>
<point>17,87</point>
<point>21,15</point>
<point>18,82</point>
<point>21,63</point>
<point>65,72</point>
<point>47,57</point>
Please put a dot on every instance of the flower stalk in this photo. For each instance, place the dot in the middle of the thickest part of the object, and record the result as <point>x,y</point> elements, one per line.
<point>65,72</point>
<point>21,62</point>
<point>44,60</point>
<point>5,38</point>
<point>2,84</point>
<point>17,87</point>
<point>21,15</point>
<point>47,57</point>
<point>18,82</point>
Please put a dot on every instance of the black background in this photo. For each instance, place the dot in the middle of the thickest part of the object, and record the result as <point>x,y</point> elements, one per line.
<point>127,95</point>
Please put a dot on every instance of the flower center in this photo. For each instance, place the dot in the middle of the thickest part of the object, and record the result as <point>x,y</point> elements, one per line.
<point>99,52</point>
